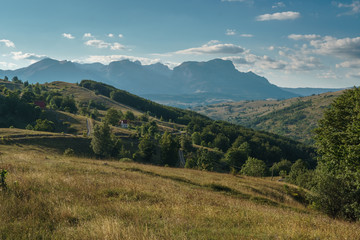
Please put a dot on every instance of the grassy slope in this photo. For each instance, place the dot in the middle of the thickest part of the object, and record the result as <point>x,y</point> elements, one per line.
<point>52,196</point>
<point>85,95</point>
<point>275,116</point>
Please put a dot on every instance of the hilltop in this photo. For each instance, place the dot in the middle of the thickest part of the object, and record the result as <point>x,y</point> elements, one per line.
<point>295,117</point>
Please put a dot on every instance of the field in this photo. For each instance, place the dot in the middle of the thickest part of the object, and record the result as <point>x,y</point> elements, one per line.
<point>51,196</point>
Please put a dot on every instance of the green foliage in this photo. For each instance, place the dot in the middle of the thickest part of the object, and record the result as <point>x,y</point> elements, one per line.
<point>196,138</point>
<point>221,142</point>
<point>148,128</point>
<point>129,115</point>
<point>282,166</point>
<point>44,125</point>
<point>208,160</point>
<point>338,141</point>
<point>112,116</point>
<point>186,143</point>
<point>235,158</point>
<point>147,149</point>
<point>169,150</point>
<point>102,142</point>
<point>16,112</point>
<point>254,167</point>
<point>69,152</point>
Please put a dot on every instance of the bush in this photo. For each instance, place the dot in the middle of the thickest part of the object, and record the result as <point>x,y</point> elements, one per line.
<point>69,152</point>
<point>254,167</point>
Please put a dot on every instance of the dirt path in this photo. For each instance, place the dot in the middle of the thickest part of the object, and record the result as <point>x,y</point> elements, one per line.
<point>89,127</point>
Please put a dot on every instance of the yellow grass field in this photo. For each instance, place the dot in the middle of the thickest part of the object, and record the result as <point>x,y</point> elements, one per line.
<point>51,196</point>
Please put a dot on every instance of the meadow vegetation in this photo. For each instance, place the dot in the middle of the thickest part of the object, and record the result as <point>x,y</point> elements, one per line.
<point>49,195</point>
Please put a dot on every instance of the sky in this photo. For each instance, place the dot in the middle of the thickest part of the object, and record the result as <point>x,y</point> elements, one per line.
<point>292,43</point>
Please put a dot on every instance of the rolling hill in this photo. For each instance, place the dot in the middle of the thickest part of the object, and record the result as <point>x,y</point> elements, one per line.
<point>295,117</point>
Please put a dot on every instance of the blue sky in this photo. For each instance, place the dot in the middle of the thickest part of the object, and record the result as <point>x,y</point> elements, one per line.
<point>291,43</point>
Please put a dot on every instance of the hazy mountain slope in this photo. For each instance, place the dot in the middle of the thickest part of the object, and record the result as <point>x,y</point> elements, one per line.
<point>295,117</point>
<point>310,91</point>
<point>218,79</point>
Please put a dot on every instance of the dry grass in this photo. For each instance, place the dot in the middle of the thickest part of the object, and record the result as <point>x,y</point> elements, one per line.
<point>55,197</point>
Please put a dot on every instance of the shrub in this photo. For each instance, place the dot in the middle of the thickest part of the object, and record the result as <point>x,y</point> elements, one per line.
<point>69,152</point>
<point>254,167</point>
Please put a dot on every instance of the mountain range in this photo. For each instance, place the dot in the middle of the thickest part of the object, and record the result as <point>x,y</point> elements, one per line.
<point>190,83</point>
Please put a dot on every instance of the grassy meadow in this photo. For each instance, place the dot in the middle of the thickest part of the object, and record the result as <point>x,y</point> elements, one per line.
<point>51,196</point>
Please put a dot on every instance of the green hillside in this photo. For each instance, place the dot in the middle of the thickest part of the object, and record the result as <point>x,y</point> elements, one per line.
<point>295,118</point>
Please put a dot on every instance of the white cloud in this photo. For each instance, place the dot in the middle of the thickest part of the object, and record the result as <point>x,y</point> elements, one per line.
<point>97,43</point>
<point>8,65</point>
<point>117,46</point>
<point>27,56</point>
<point>271,48</point>
<point>102,44</point>
<point>239,60</point>
<point>303,37</point>
<point>354,8</point>
<point>88,35</point>
<point>246,35</point>
<point>106,59</point>
<point>349,64</point>
<point>345,47</point>
<point>120,35</point>
<point>110,35</point>
<point>68,36</point>
<point>279,16</point>
<point>278,5</point>
<point>230,32</point>
<point>213,47</point>
<point>327,75</point>
<point>353,75</point>
<point>7,43</point>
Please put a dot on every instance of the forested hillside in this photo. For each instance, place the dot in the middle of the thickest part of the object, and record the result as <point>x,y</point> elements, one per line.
<point>157,132</point>
<point>295,118</point>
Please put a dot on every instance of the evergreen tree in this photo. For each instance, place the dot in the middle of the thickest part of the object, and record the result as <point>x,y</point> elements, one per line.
<point>147,148</point>
<point>169,150</point>
<point>102,143</point>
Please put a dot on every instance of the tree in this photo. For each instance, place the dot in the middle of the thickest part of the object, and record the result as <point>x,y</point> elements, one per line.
<point>44,125</point>
<point>235,158</point>
<point>146,148</point>
<point>169,150</point>
<point>196,138</point>
<point>129,115</point>
<point>338,141</point>
<point>254,167</point>
<point>221,142</point>
<point>102,143</point>
<point>284,165</point>
<point>186,143</point>
<point>112,116</point>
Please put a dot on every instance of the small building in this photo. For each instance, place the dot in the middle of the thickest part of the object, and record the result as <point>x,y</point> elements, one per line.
<point>41,104</point>
<point>124,123</point>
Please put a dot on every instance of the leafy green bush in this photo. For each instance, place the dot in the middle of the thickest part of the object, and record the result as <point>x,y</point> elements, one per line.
<point>254,167</point>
